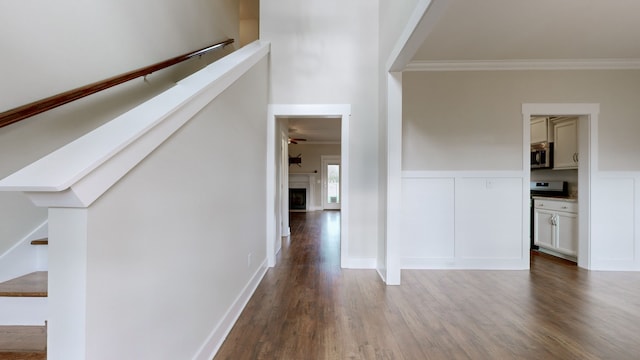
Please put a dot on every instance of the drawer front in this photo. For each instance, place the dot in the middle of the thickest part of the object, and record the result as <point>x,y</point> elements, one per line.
<point>557,205</point>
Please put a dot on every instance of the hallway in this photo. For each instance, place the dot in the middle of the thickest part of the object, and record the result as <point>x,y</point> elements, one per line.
<point>308,308</point>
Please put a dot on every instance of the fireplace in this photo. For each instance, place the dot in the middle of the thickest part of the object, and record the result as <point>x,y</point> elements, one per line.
<point>297,199</point>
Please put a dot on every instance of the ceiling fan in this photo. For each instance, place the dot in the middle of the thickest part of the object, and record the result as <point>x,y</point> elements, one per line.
<point>295,140</point>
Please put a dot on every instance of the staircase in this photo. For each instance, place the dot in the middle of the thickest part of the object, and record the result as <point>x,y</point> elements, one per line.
<point>24,342</point>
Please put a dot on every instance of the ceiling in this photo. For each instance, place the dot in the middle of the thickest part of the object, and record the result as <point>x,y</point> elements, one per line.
<point>517,30</point>
<point>534,30</point>
<point>315,130</point>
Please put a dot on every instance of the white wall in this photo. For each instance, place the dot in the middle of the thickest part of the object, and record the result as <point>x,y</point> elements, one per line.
<point>168,245</point>
<point>326,52</point>
<point>58,46</point>
<point>469,124</point>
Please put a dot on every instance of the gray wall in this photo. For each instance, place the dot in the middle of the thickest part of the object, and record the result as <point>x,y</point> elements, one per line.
<point>57,46</point>
<point>473,120</point>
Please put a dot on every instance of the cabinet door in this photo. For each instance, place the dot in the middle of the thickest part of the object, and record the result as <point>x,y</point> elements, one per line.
<point>544,230</point>
<point>567,233</point>
<point>539,129</point>
<point>565,145</point>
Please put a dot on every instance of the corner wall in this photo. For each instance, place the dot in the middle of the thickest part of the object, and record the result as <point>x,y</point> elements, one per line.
<point>326,52</point>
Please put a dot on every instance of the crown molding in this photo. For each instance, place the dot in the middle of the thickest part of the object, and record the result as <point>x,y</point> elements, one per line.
<point>500,65</point>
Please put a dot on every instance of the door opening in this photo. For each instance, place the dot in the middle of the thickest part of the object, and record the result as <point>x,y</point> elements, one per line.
<point>586,116</point>
<point>339,189</point>
<point>331,189</point>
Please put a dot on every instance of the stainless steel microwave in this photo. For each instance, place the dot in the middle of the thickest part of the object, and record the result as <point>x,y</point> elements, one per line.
<point>542,155</point>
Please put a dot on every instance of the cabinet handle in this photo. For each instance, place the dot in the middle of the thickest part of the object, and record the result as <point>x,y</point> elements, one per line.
<point>564,207</point>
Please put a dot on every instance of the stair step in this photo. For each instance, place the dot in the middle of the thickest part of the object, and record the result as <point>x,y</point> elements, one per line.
<point>43,241</point>
<point>30,285</point>
<point>23,342</point>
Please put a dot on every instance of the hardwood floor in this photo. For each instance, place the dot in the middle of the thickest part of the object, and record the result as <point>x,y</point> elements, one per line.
<point>308,308</point>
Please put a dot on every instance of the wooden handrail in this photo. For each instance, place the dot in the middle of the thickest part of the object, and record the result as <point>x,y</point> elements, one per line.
<point>22,112</point>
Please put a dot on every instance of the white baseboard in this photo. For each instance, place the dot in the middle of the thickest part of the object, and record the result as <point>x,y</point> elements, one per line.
<point>23,258</point>
<point>360,263</point>
<point>615,265</point>
<point>211,346</point>
<point>464,264</point>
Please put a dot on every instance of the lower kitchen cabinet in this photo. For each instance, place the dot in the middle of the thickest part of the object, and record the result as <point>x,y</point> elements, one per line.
<point>556,226</point>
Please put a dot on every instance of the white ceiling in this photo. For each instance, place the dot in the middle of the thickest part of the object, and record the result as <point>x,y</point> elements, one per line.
<point>535,29</point>
<point>315,130</point>
<point>515,30</point>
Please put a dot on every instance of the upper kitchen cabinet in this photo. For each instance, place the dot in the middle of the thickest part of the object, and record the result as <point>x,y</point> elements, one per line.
<point>539,129</point>
<point>565,154</point>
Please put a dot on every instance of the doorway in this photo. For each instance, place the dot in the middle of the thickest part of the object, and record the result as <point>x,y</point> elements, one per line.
<point>331,189</point>
<point>587,123</point>
<point>275,164</point>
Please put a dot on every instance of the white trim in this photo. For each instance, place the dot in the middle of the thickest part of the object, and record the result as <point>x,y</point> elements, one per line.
<point>588,165</point>
<point>22,258</point>
<point>310,110</point>
<point>493,65</point>
<point>326,160</point>
<point>23,311</point>
<point>463,264</point>
<point>422,21</point>
<point>360,263</point>
<point>89,166</point>
<point>425,174</point>
<point>394,179</point>
<point>632,262</point>
<point>219,333</point>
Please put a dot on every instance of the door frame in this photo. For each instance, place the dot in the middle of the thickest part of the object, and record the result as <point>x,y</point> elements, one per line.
<point>587,114</point>
<point>324,161</point>
<point>275,111</point>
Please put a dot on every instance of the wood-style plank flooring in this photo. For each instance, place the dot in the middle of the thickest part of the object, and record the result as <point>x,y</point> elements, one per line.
<point>308,308</point>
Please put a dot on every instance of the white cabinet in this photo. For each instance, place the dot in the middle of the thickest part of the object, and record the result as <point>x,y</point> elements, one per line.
<point>539,129</point>
<point>565,155</point>
<point>556,226</point>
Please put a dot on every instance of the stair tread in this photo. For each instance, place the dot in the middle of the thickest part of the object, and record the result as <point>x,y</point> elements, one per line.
<point>34,284</point>
<point>43,241</point>
<point>23,355</point>
<point>29,342</point>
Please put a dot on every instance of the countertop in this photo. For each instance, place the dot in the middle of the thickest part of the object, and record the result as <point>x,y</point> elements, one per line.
<point>568,199</point>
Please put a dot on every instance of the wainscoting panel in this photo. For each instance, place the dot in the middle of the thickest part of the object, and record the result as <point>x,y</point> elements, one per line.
<point>428,216</point>
<point>463,220</point>
<point>489,218</point>
<point>615,220</point>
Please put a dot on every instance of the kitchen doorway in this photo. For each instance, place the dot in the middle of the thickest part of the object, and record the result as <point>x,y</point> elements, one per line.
<point>587,135</point>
